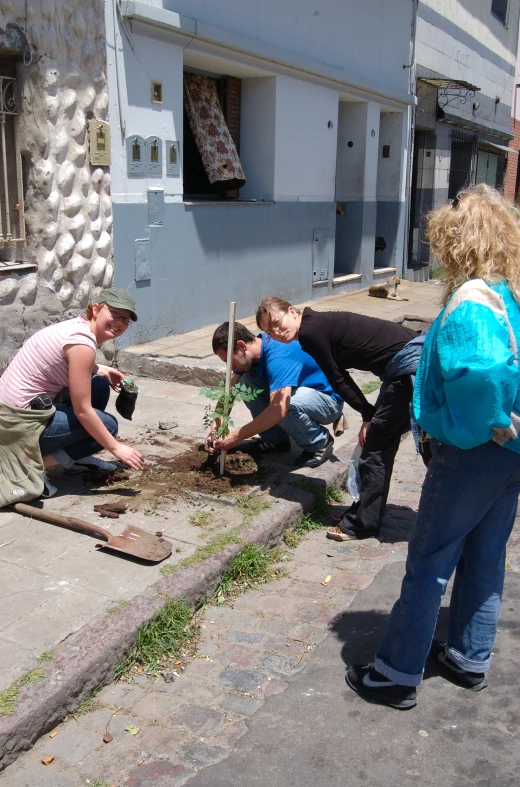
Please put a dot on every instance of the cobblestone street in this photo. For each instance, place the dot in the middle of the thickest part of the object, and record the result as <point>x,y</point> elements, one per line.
<point>248,652</point>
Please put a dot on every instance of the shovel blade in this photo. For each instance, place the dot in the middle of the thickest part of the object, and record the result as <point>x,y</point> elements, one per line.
<point>138,543</point>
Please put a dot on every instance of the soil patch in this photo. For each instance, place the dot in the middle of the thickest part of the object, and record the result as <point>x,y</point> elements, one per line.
<point>196,471</point>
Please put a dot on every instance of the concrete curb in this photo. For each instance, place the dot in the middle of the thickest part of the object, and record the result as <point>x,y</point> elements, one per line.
<point>209,371</point>
<point>86,660</point>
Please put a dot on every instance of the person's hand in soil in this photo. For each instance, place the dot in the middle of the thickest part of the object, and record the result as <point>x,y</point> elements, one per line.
<point>209,443</point>
<point>227,443</point>
<point>129,456</point>
<point>114,376</point>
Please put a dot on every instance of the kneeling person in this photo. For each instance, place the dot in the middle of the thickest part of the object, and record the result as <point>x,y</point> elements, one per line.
<point>295,401</point>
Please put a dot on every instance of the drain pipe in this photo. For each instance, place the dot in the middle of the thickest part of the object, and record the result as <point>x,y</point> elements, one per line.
<point>411,137</point>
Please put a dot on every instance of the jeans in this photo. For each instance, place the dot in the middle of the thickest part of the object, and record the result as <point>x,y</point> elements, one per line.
<point>308,411</point>
<point>466,514</point>
<point>65,438</point>
<point>390,420</point>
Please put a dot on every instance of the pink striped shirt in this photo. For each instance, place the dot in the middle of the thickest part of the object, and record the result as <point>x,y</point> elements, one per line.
<point>40,366</point>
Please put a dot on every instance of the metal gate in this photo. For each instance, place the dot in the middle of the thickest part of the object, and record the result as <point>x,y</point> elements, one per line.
<point>463,153</point>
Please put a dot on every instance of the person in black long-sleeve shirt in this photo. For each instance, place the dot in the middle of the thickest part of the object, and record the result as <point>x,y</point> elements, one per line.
<point>339,341</point>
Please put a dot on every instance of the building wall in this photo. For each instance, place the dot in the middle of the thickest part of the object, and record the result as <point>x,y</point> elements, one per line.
<point>68,203</point>
<point>512,164</point>
<point>204,255</point>
<point>364,39</point>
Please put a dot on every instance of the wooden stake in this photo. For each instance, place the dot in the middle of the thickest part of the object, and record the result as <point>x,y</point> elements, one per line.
<point>231,336</point>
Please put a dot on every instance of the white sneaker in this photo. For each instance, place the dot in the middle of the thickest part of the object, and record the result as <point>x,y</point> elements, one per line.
<point>91,464</point>
<point>49,490</point>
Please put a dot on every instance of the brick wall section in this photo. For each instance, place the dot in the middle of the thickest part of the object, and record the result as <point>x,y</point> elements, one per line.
<point>512,164</point>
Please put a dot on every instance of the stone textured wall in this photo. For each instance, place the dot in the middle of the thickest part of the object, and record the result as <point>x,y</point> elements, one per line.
<point>67,202</point>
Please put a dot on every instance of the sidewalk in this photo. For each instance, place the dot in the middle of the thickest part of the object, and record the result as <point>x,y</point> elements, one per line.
<point>265,703</point>
<point>187,357</point>
<point>58,593</point>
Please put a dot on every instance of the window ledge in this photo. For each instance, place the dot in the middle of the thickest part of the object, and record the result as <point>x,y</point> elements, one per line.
<point>347,277</point>
<point>383,271</point>
<point>208,202</point>
<point>15,267</point>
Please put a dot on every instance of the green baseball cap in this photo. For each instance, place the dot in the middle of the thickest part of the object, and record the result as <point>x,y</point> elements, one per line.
<point>119,299</point>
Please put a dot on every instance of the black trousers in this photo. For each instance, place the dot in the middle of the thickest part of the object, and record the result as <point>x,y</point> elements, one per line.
<point>389,422</point>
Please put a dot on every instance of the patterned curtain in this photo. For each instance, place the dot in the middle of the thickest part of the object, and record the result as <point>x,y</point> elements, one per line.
<point>217,149</point>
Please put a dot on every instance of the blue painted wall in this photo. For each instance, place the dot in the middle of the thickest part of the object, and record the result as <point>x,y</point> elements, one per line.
<point>205,256</point>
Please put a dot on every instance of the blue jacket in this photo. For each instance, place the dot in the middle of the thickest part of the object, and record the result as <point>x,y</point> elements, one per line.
<point>467,383</point>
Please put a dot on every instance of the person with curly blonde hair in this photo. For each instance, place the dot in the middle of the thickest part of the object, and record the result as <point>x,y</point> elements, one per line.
<point>467,402</point>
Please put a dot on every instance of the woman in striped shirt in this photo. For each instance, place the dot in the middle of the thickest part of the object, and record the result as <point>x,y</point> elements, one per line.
<point>64,355</point>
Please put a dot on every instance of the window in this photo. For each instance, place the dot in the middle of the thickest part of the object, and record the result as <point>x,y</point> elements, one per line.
<point>12,222</point>
<point>499,9</point>
<point>211,164</point>
<point>490,169</point>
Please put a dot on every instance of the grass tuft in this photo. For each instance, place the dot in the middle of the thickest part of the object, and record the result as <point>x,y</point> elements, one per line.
<point>370,387</point>
<point>437,273</point>
<point>45,656</point>
<point>120,604</point>
<point>250,507</point>
<point>201,553</point>
<point>86,705</point>
<point>162,639</point>
<point>9,696</point>
<point>253,566</point>
<point>98,783</point>
<point>200,519</point>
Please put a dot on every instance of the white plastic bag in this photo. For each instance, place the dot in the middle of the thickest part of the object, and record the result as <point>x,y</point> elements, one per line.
<point>353,479</point>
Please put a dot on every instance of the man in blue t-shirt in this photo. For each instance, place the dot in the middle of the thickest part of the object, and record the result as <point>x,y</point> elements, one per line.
<point>296,399</point>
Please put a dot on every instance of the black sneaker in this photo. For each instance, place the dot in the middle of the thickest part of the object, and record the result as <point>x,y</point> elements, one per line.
<point>92,464</point>
<point>316,458</point>
<point>374,687</point>
<point>474,681</point>
<point>258,447</point>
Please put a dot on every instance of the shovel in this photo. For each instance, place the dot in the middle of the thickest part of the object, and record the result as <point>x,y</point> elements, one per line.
<point>134,541</point>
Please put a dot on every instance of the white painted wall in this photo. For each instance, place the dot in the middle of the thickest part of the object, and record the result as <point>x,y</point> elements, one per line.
<point>130,92</point>
<point>370,38</point>
<point>305,146</point>
<point>392,131</point>
<point>257,137</point>
<point>356,173</point>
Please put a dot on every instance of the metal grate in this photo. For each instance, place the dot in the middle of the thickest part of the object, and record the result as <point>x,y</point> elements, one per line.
<point>463,152</point>
<point>12,219</point>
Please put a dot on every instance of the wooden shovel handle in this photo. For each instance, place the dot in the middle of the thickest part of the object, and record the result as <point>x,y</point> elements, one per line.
<point>62,521</point>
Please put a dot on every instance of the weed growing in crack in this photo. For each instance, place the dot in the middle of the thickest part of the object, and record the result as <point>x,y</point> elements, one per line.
<point>118,606</point>
<point>253,566</point>
<point>316,520</point>
<point>200,519</point>
<point>201,553</point>
<point>86,705</point>
<point>45,656</point>
<point>250,507</point>
<point>9,696</point>
<point>162,639</point>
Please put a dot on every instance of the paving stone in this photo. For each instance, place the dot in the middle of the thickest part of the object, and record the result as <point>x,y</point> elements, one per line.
<point>238,656</point>
<point>228,735</point>
<point>235,635</point>
<point>241,680</point>
<point>70,747</point>
<point>120,695</point>
<point>111,762</point>
<point>37,775</point>
<point>160,742</point>
<point>275,686</point>
<point>159,705</point>
<point>197,720</point>
<point>158,773</point>
<point>315,613</point>
<point>281,665</point>
<point>235,703</point>
<point>200,755</point>
<point>268,604</point>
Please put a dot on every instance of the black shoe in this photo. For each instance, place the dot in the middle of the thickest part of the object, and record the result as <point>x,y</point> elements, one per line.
<point>316,458</point>
<point>374,687</point>
<point>258,447</point>
<point>474,681</point>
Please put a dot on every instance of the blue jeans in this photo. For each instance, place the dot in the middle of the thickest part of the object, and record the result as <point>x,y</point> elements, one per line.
<point>466,514</point>
<point>308,411</point>
<point>66,439</point>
